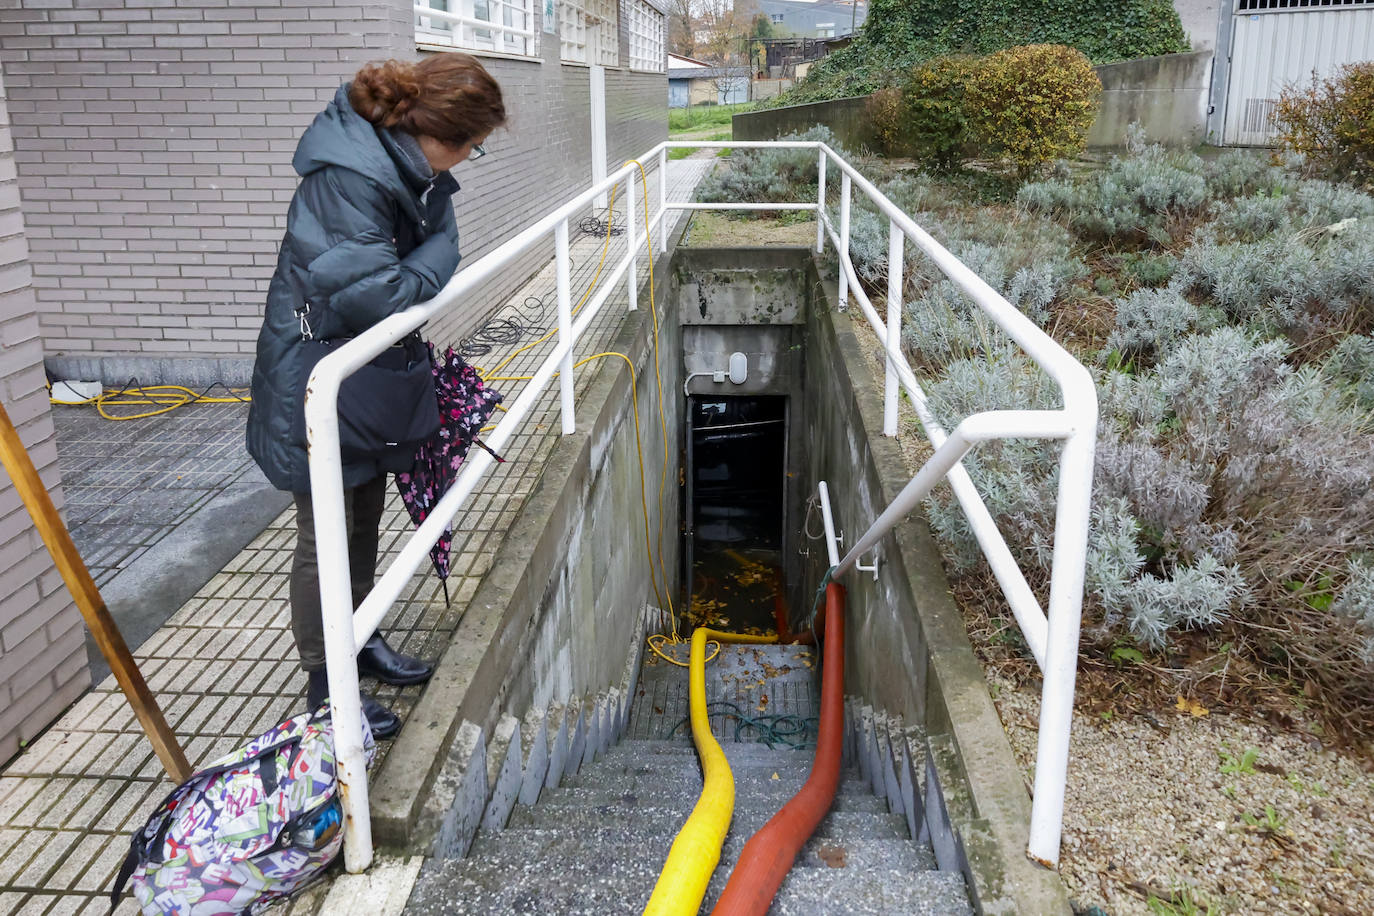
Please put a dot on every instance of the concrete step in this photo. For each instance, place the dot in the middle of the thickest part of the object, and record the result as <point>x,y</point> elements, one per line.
<point>743,750</point>
<point>683,797</point>
<point>629,839</point>
<point>689,781</point>
<point>623,885</point>
<point>773,760</point>
<point>577,818</point>
<point>839,892</point>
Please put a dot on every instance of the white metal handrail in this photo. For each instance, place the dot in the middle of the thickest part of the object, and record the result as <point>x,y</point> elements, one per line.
<point>346,628</point>
<point>1051,635</point>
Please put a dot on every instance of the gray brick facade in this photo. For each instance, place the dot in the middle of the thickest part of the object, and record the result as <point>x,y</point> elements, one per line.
<point>153,142</point>
<point>42,639</point>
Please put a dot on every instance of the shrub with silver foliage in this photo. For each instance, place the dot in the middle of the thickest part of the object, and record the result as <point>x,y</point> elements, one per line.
<point>1356,600</point>
<point>1149,320</point>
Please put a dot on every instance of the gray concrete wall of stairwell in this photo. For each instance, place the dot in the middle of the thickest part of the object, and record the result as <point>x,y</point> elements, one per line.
<point>906,648</point>
<point>154,139</point>
<point>42,638</point>
<point>551,619</point>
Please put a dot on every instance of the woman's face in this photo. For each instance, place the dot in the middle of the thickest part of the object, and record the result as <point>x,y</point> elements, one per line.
<point>442,156</point>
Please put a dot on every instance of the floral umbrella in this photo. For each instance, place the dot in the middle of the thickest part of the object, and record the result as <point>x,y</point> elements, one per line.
<point>465,404</point>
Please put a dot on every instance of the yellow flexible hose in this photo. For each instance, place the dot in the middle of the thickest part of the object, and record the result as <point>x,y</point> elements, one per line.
<point>696,850</point>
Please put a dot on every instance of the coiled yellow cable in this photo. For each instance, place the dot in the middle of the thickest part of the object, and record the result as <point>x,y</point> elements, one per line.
<point>165,398</point>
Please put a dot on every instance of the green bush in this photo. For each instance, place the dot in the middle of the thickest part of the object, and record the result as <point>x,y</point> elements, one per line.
<point>898,34</point>
<point>1033,103</point>
<point>884,110</point>
<point>933,106</point>
<point>1331,122</point>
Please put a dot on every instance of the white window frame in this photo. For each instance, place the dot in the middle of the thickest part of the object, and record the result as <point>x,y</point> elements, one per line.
<point>493,26</point>
<point>646,37</point>
<point>589,32</point>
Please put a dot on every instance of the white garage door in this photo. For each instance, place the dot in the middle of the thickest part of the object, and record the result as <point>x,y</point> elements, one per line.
<point>1275,43</point>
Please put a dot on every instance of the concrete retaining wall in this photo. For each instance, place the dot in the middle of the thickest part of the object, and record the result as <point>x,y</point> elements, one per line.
<point>1167,95</point>
<point>550,621</point>
<point>907,651</point>
<point>846,119</point>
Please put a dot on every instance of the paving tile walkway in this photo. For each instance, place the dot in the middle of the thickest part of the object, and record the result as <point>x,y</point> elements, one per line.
<point>224,666</point>
<point>128,484</point>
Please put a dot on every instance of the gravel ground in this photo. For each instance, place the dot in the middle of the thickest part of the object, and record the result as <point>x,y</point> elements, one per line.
<point>1171,804</point>
<point>1175,802</point>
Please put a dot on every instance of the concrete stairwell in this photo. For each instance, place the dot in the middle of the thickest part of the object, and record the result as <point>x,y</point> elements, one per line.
<point>596,842</point>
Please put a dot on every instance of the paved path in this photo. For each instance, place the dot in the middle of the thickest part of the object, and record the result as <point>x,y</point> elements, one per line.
<point>223,665</point>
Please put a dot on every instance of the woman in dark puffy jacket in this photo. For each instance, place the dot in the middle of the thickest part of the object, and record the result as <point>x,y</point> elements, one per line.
<point>370,232</point>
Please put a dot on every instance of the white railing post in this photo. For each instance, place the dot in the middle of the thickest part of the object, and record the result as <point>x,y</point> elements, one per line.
<point>565,372</point>
<point>662,198</point>
<point>634,241</point>
<point>832,543</point>
<point>844,239</point>
<point>1061,652</point>
<point>896,243</point>
<point>336,608</point>
<point>820,203</point>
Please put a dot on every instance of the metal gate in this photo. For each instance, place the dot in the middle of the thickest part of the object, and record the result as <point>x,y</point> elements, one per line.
<point>1276,43</point>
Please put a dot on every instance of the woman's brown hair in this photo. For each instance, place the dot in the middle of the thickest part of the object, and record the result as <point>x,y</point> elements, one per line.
<point>448,96</point>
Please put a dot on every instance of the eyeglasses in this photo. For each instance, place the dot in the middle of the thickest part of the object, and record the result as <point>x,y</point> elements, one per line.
<point>477,152</point>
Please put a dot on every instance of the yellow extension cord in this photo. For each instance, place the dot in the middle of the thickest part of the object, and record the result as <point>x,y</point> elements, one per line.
<point>695,852</point>
<point>655,641</point>
<point>164,397</point>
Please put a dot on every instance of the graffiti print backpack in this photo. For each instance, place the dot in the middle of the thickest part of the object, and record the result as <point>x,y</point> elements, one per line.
<point>254,826</point>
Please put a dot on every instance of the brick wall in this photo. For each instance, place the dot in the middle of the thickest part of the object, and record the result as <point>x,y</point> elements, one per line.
<point>154,140</point>
<point>42,638</point>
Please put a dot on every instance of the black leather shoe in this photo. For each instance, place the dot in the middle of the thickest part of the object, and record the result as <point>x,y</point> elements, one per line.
<point>383,722</point>
<point>379,660</point>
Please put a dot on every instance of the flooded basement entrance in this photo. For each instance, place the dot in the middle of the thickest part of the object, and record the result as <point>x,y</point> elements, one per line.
<point>736,488</point>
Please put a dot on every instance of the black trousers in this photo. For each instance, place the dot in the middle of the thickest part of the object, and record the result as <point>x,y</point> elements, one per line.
<point>362,518</point>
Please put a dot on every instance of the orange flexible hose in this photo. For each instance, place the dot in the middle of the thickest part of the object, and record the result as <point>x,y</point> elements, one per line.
<point>769,854</point>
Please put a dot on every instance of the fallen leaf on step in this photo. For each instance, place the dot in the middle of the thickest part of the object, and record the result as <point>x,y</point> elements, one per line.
<point>834,856</point>
<point>775,776</point>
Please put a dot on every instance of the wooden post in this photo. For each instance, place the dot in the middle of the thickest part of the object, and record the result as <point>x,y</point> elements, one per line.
<point>107,636</point>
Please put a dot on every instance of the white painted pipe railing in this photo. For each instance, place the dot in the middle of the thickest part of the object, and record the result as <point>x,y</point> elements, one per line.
<point>1053,636</point>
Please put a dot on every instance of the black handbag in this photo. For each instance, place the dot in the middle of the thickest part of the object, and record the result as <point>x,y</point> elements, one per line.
<point>387,408</point>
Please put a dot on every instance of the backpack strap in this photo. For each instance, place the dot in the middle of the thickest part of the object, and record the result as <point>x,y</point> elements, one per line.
<point>126,871</point>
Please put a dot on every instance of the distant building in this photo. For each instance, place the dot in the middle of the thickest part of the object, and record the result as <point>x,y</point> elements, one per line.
<point>814,18</point>
<point>695,82</point>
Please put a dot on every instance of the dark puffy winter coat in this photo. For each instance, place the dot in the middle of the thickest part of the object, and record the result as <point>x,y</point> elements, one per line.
<point>369,233</point>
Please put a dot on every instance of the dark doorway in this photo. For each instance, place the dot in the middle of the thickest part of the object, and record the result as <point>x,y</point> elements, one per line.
<point>736,475</point>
